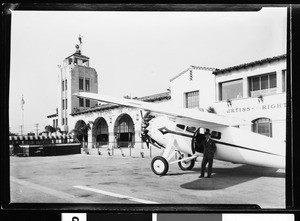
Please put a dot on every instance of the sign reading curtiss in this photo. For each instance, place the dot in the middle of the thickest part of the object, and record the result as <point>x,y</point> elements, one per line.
<point>256,108</point>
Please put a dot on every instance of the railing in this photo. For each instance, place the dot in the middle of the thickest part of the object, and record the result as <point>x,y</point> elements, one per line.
<point>124,148</point>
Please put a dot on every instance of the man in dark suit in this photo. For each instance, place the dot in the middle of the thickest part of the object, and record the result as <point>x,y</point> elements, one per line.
<point>209,149</point>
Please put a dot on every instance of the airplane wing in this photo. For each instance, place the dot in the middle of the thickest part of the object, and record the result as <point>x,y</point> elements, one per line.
<point>203,117</point>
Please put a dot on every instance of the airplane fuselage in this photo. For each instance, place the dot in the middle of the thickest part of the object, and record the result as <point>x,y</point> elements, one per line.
<point>233,144</point>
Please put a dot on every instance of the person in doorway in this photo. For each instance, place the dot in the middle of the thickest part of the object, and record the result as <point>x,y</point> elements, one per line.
<point>209,149</point>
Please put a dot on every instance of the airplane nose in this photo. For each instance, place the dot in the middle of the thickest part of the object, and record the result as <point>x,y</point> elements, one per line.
<point>145,131</point>
<point>145,124</point>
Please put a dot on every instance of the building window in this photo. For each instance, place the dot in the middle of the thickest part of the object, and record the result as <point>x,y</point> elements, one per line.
<point>62,85</point>
<point>63,121</point>
<point>66,84</point>
<point>63,104</point>
<point>262,126</point>
<point>80,102</point>
<point>191,75</point>
<point>80,83</point>
<point>264,84</point>
<point>192,99</point>
<point>66,121</point>
<point>87,84</point>
<point>56,122</point>
<point>231,90</point>
<point>87,103</point>
<point>66,104</point>
<point>123,127</point>
<point>284,81</point>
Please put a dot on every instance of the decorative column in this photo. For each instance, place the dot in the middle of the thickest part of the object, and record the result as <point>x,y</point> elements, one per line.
<point>90,138</point>
<point>279,81</point>
<point>111,136</point>
<point>245,87</point>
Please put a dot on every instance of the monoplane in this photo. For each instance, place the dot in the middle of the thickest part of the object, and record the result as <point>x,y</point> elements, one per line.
<point>178,132</point>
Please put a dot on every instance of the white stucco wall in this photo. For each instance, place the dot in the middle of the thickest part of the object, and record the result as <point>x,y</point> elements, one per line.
<point>203,80</point>
<point>273,106</point>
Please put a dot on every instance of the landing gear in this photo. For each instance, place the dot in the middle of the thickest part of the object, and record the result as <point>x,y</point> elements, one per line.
<point>159,165</point>
<point>186,165</point>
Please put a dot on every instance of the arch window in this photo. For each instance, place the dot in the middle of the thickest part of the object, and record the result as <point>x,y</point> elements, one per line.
<point>100,131</point>
<point>262,126</point>
<point>123,127</point>
<point>124,130</point>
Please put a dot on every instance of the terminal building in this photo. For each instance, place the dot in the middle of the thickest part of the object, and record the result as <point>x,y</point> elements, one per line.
<point>255,91</point>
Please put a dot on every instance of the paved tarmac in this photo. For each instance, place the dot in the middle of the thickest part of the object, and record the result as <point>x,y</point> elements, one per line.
<point>105,179</point>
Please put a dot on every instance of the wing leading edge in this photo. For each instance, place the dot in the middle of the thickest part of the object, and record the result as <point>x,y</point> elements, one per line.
<point>203,117</point>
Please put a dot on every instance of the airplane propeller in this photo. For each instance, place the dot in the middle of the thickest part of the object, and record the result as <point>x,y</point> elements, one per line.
<point>145,123</point>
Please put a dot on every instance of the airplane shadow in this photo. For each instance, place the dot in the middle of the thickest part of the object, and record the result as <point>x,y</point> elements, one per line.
<point>223,177</point>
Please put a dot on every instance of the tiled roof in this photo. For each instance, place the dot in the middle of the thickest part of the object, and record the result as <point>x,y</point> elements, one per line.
<point>151,98</point>
<point>78,55</point>
<point>195,68</point>
<point>250,64</point>
<point>156,97</point>
<point>52,115</point>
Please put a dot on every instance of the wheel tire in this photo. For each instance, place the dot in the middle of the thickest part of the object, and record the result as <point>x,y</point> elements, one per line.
<point>186,166</point>
<point>159,165</point>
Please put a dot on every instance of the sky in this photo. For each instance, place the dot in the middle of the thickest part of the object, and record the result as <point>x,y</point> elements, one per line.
<point>134,53</point>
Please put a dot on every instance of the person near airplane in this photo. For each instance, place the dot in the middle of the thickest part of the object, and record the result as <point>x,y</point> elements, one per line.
<point>209,149</point>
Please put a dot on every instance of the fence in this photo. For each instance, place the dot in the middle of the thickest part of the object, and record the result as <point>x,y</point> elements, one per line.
<point>43,145</point>
<point>138,149</point>
<point>18,146</point>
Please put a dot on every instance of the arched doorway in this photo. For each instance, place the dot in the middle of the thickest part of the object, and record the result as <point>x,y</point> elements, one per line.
<point>100,132</point>
<point>80,131</point>
<point>124,131</point>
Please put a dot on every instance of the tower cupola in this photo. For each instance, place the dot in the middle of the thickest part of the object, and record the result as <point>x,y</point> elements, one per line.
<point>78,58</point>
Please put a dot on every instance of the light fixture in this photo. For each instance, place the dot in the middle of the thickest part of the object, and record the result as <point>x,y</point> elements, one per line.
<point>110,120</point>
<point>229,103</point>
<point>260,99</point>
<point>137,117</point>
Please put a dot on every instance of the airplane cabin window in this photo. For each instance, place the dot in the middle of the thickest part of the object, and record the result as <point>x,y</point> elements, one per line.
<point>216,135</point>
<point>190,129</point>
<point>180,126</point>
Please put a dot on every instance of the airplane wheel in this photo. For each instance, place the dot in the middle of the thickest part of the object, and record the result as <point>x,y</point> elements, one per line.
<point>186,165</point>
<point>159,165</point>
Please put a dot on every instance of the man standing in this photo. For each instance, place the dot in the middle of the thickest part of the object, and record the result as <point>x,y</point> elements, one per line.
<point>209,149</point>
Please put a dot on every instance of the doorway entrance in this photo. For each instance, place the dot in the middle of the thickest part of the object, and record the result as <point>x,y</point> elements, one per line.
<point>124,131</point>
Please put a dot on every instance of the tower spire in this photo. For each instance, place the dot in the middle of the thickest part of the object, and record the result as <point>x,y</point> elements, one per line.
<point>80,44</point>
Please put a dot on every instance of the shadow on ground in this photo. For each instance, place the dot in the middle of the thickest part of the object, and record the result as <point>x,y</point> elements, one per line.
<point>227,177</point>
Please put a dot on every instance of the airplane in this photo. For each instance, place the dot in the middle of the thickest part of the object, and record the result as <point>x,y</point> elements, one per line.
<point>177,131</point>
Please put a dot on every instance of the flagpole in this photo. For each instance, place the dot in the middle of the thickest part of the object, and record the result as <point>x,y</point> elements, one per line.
<point>22,106</point>
<point>22,120</point>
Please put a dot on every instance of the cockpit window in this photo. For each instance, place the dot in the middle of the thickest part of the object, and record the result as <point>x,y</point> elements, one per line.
<point>216,135</point>
<point>190,129</point>
<point>180,126</point>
